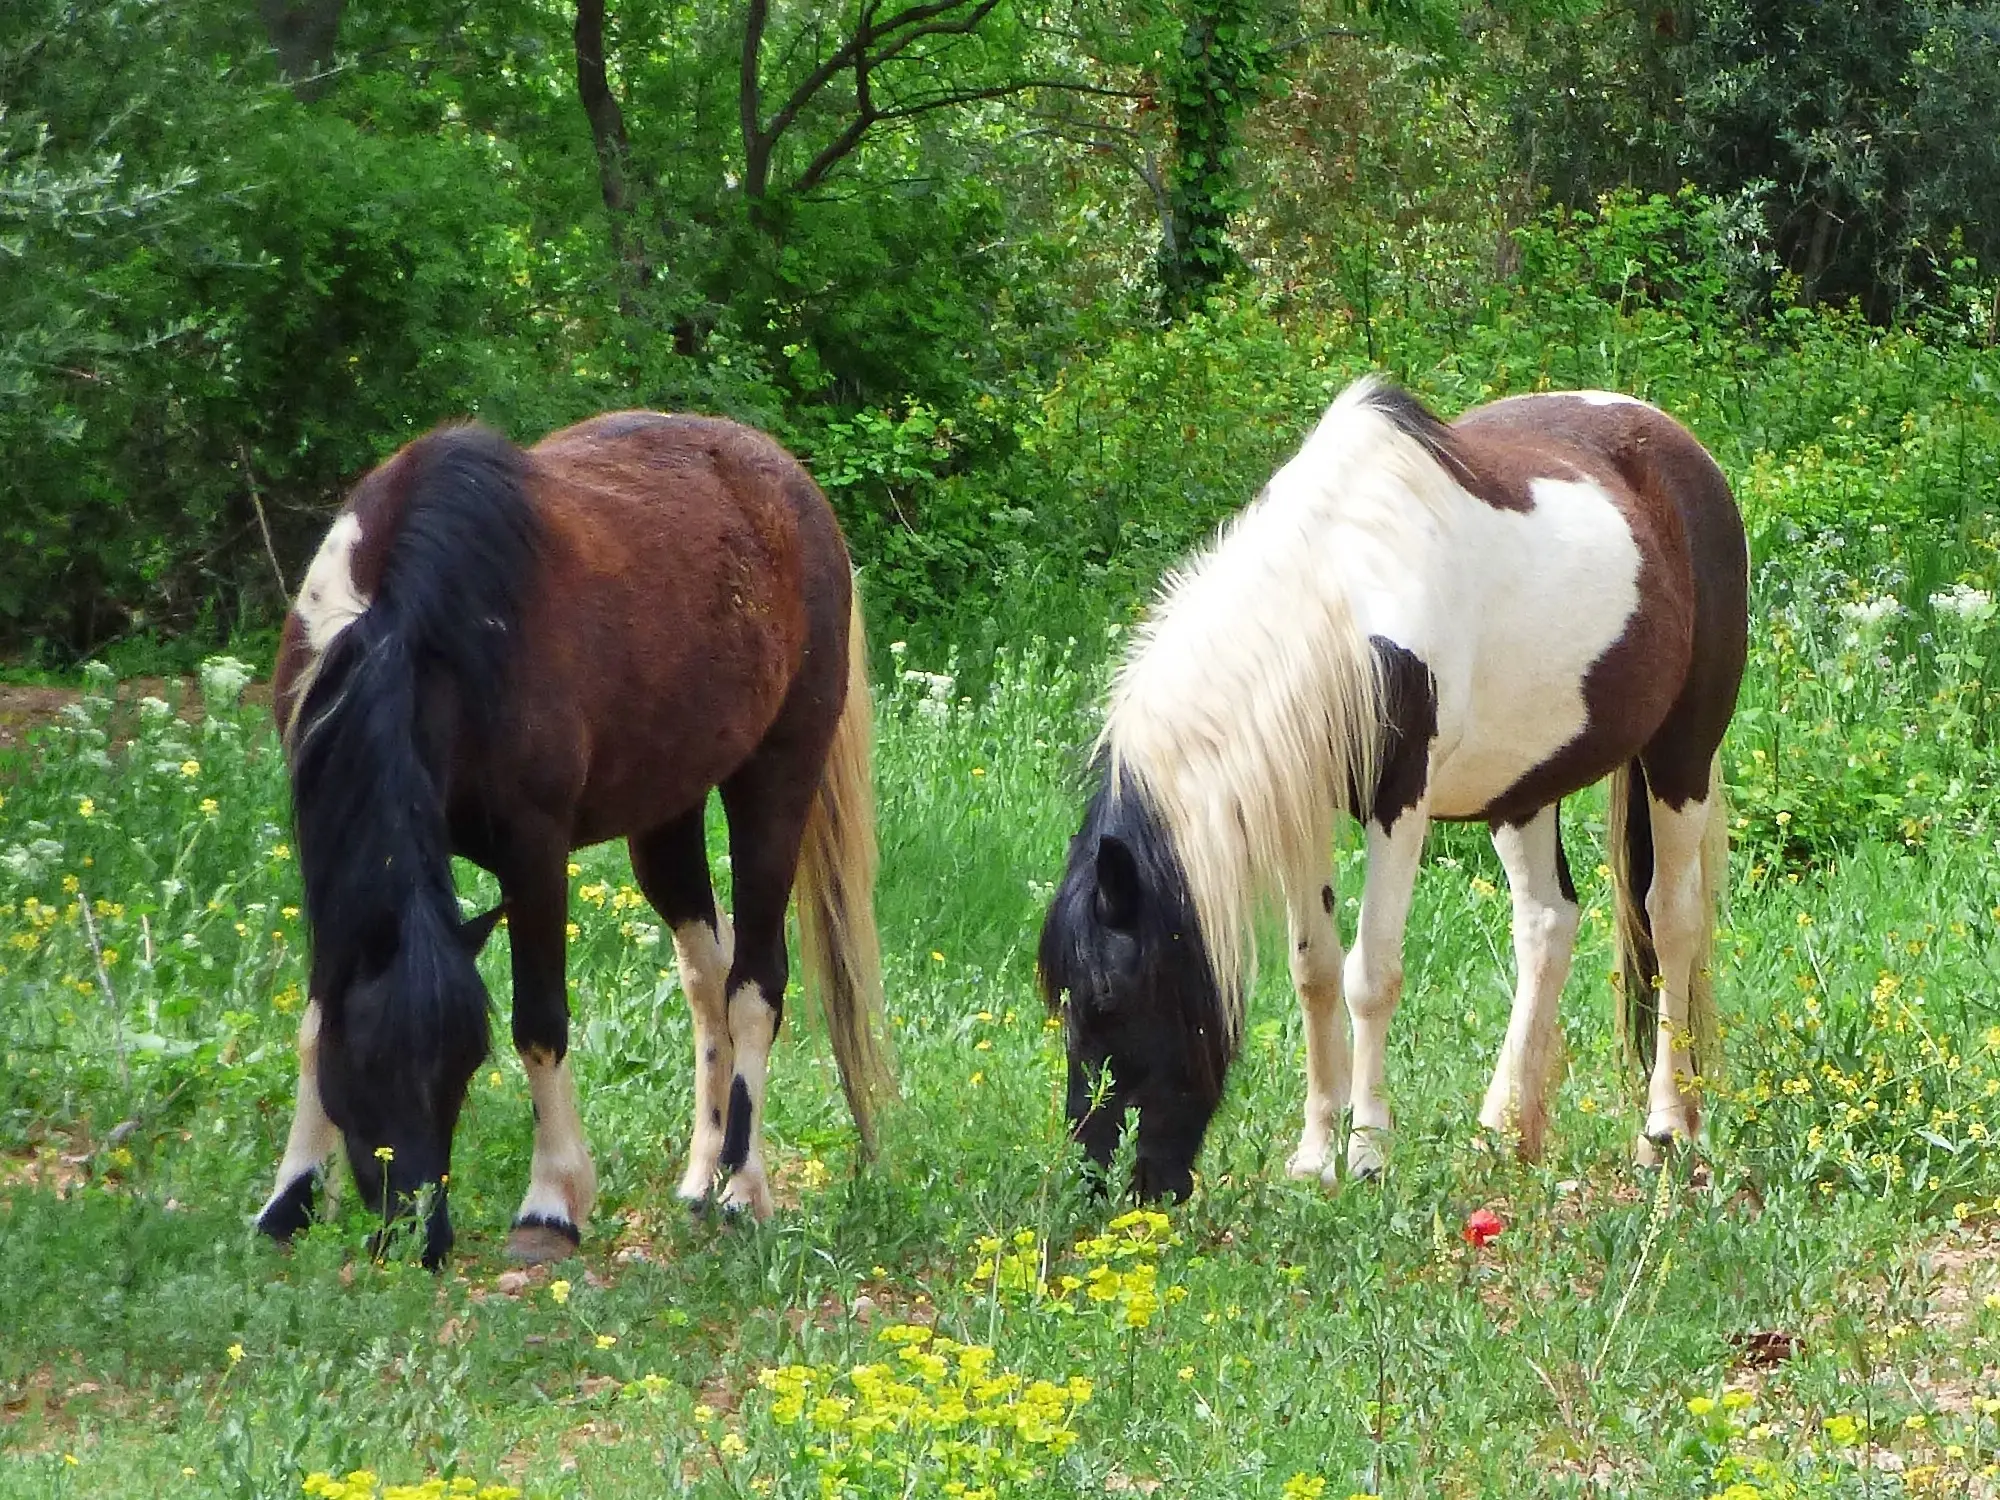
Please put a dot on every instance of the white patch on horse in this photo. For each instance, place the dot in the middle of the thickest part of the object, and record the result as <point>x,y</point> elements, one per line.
<point>1545,923</point>
<point>1251,699</point>
<point>562,1184</point>
<point>313,1135</point>
<point>1316,960</point>
<point>1680,904</point>
<point>1611,398</point>
<point>1522,605</point>
<point>704,955</point>
<point>1373,978</point>
<point>328,600</point>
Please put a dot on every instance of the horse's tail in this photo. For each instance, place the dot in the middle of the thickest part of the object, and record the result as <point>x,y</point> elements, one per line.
<point>836,896</point>
<point>426,659</point>
<point>1629,833</point>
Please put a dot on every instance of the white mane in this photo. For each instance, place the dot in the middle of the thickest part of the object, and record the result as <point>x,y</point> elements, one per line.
<point>1250,700</point>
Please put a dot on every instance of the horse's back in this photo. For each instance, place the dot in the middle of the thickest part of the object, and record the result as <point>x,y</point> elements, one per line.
<point>695,584</point>
<point>1592,589</point>
<point>1674,479</point>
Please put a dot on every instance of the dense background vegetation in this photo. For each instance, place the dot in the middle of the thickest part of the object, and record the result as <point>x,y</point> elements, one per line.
<point>1040,289</point>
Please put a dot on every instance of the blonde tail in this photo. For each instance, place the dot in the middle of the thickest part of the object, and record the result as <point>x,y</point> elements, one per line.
<point>1628,832</point>
<point>836,901</point>
<point>1702,1017</point>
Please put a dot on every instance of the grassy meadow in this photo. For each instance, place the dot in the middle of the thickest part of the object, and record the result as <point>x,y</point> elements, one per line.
<point>1807,1306</point>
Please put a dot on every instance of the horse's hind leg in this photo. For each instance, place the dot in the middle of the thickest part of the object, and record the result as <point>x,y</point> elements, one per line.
<point>562,1184</point>
<point>1545,922</point>
<point>767,801</point>
<point>671,863</point>
<point>1679,906</point>
<point>313,1136</point>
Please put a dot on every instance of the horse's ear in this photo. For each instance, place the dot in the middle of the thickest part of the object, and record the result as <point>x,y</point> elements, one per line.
<point>1117,884</point>
<point>474,931</point>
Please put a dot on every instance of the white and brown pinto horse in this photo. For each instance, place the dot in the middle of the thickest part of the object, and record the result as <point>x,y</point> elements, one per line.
<point>508,654</point>
<point>1414,621</point>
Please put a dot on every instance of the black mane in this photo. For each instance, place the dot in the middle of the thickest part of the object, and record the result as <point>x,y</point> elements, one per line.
<point>1432,433</point>
<point>1178,974</point>
<point>428,660</point>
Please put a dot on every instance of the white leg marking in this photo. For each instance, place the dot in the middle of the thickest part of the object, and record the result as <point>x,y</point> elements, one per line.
<point>753,1025</point>
<point>1315,952</point>
<point>704,961</point>
<point>1674,903</point>
<point>1545,923</point>
<point>328,601</point>
<point>313,1135</point>
<point>562,1185</point>
<point>1374,976</point>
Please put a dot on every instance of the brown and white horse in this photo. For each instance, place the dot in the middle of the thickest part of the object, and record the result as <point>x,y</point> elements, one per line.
<point>1414,621</point>
<point>507,655</point>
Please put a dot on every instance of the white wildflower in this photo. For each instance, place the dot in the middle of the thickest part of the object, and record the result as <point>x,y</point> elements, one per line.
<point>223,679</point>
<point>1968,603</point>
<point>1871,611</point>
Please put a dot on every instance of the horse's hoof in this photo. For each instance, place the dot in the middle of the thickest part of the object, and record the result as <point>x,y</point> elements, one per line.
<point>1307,1165</point>
<point>1652,1150</point>
<point>1667,1131</point>
<point>537,1240</point>
<point>1367,1154</point>
<point>748,1194</point>
<point>289,1210</point>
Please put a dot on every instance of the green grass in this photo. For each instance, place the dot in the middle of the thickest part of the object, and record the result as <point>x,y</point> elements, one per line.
<point>1617,1338</point>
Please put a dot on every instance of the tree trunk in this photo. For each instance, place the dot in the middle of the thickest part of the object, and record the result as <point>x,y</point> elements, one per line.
<point>600,107</point>
<point>1222,66</point>
<point>304,34</point>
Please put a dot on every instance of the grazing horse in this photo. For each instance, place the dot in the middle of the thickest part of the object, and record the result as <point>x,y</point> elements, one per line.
<point>1414,621</point>
<point>508,654</point>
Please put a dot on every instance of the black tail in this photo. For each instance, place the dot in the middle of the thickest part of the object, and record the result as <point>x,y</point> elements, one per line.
<point>1629,834</point>
<point>427,661</point>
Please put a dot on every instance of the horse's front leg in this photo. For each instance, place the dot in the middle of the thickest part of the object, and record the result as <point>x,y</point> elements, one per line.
<point>1374,975</point>
<point>1545,923</point>
<point>1315,961</point>
<point>562,1184</point>
<point>313,1137</point>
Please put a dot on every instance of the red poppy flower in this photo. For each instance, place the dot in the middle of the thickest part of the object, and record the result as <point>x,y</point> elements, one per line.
<point>1481,1225</point>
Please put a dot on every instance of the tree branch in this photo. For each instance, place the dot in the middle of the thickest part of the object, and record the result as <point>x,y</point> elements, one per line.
<point>860,54</point>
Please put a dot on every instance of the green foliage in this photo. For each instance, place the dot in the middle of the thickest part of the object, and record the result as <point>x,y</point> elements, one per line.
<point>1866,139</point>
<point>1223,63</point>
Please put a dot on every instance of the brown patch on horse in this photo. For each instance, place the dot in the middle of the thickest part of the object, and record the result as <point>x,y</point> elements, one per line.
<point>1668,683</point>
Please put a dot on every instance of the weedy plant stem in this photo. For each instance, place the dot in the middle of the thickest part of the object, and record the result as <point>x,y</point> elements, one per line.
<point>104,983</point>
